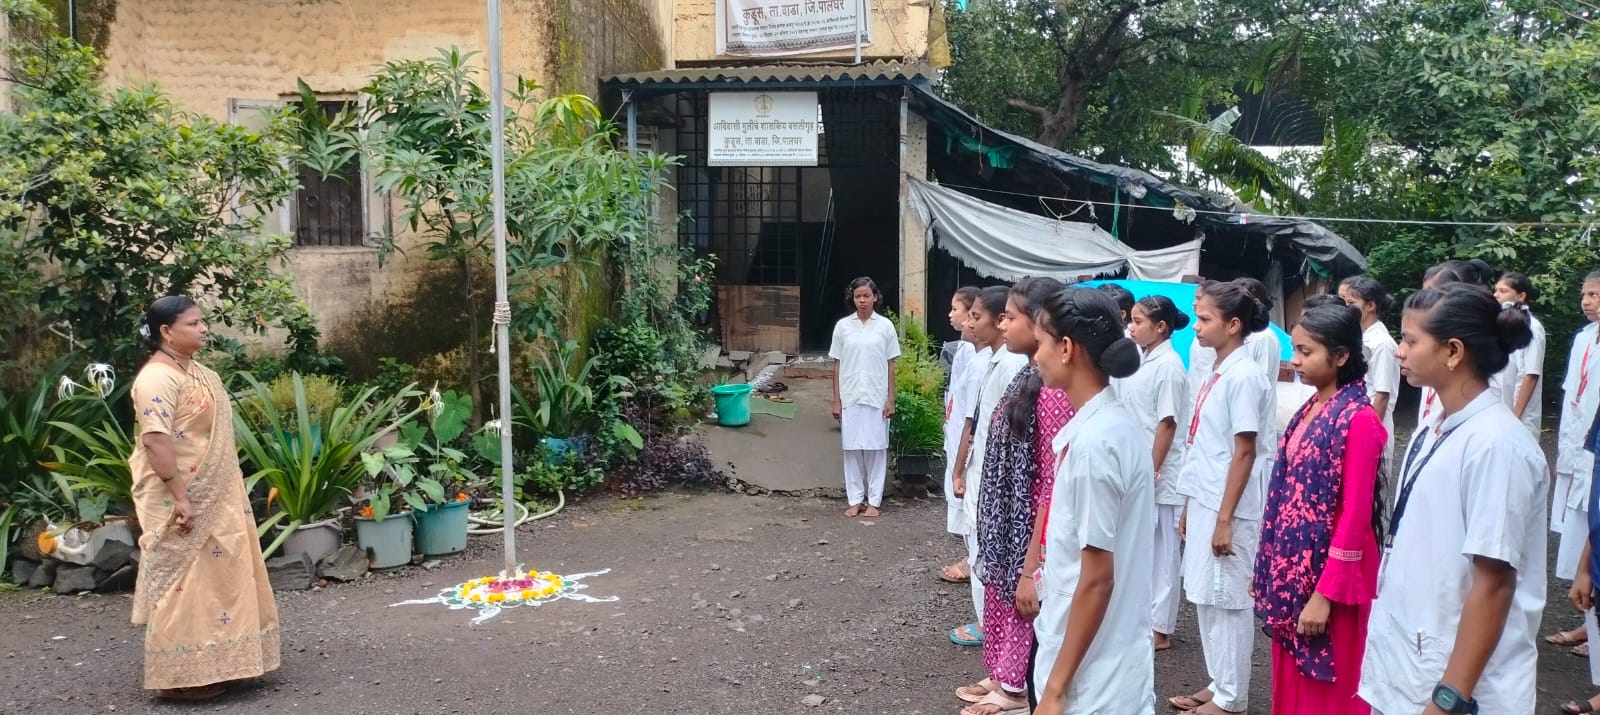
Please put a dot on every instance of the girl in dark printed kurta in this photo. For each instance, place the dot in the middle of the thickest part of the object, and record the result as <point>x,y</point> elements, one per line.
<point>1018,460</point>
<point>1317,568</point>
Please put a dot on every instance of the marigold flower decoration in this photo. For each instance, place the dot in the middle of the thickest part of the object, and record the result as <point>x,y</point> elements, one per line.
<point>490,594</point>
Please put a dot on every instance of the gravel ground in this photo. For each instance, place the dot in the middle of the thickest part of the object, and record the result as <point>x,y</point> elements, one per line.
<point>726,604</point>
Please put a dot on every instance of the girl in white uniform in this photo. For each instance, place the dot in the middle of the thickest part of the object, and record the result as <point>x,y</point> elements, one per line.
<point>1580,399</point>
<point>992,377</point>
<point>1475,272</point>
<point>955,411</point>
<point>1229,437</point>
<point>1462,587</point>
<point>864,349</point>
<point>1157,395</point>
<point>1522,382</point>
<point>1094,652</point>
<point>1377,346</point>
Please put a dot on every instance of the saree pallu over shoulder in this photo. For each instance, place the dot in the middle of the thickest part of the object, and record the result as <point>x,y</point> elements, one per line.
<point>202,596</point>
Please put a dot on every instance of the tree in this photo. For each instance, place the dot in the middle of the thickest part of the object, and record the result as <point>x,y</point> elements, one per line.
<point>1085,75</point>
<point>127,198</point>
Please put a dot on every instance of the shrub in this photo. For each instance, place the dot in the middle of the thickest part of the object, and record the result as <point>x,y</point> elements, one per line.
<point>667,459</point>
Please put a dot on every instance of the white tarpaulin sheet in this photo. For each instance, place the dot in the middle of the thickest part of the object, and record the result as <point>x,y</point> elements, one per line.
<point>1008,244</point>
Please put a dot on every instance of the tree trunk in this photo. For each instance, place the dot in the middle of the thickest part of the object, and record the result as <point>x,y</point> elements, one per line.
<point>1061,124</point>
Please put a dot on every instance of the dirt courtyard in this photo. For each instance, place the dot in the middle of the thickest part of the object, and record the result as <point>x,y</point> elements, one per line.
<point>726,604</point>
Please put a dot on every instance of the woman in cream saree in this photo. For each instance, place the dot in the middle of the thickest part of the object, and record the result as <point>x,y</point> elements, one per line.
<point>202,591</point>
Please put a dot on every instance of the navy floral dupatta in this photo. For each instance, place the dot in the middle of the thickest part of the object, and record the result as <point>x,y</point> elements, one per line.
<point>1297,527</point>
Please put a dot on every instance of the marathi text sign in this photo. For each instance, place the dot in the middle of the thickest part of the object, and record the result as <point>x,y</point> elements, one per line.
<point>762,129</point>
<point>774,28</point>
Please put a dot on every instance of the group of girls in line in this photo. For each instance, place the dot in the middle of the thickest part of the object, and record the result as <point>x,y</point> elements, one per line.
<point>1073,529</point>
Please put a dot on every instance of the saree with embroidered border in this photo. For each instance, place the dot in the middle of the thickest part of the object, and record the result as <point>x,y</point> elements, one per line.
<point>202,596</point>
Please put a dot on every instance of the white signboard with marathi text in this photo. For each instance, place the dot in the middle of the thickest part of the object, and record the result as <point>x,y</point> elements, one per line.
<point>762,129</point>
<point>774,28</point>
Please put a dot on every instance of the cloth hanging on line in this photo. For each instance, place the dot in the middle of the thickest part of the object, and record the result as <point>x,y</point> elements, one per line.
<point>1008,244</point>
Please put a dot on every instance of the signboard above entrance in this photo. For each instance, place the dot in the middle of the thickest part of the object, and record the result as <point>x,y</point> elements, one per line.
<point>775,28</point>
<point>761,129</point>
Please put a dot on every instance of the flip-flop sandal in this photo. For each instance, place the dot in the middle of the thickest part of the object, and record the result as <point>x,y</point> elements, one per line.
<point>1186,703</point>
<point>966,635</point>
<point>967,695</point>
<point>1007,704</point>
<point>965,577</point>
<point>1577,707</point>
<point>779,398</point>
<point>1562,638</point>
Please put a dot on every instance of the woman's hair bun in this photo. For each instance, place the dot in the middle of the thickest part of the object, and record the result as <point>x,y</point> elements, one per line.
<point>1260,317</point>
<point>1120,358</point>
<point>1514,326</point>
<point>1180,321</point>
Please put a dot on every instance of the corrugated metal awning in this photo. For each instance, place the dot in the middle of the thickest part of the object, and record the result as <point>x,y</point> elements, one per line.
<point>773,76</point>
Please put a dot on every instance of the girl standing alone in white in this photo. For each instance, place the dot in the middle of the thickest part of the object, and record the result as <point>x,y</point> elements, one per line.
<point>1094,652</point>
<point>1228,436</point>
<point>1462,587</point>
<point>1158,397</point>
<point>864,349</point>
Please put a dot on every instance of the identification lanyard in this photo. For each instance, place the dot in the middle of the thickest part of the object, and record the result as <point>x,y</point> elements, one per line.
<point>1411,469</point>
<point>1200,403</point>
<point>1583,377</point>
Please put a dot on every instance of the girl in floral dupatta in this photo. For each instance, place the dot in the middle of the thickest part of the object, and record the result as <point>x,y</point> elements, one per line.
<point>202,591</point>
<point>1317,569</point>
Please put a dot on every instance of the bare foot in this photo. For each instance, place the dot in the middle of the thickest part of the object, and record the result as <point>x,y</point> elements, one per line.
<point>1162,641</point>
<point>872,511</point>
<point>853,511</point>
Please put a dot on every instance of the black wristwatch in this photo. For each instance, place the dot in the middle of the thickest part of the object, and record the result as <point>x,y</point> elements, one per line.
<point>1451,700</point>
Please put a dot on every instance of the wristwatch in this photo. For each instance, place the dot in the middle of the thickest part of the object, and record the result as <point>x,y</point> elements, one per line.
<point>1451,700</point>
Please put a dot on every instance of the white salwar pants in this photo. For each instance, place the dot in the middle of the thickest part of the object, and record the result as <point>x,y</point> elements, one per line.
<point>972,568</point>
<point>1593,629</point>
<point>1571,524</point>
<point>1167,564</point>
<point>1227,636</point>
<point>865,434</point>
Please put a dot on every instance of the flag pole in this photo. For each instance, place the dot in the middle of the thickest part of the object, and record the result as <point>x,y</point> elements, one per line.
<point>502,305</point>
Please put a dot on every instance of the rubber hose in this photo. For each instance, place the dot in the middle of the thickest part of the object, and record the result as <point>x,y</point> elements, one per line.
<point>496,526</point>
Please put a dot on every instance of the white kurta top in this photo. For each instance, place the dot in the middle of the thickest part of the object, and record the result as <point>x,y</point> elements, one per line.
<point>1383,373</point>
<point>1201,360</point>
<point>995,377</point>
<point>1481,494</point>
<point>864,350</point>
<point>1103,498</point>
<point>964,371</point>
<point>1527,361</point>
<point>1241,400</point>
<point>1577,414</point>
<point>1157,391</point>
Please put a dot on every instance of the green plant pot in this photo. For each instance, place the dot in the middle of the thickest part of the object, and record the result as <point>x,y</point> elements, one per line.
<point>387,542</point>
<point>442,529</point>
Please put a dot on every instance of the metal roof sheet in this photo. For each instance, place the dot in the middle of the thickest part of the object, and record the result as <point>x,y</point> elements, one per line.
<point>751,74</point>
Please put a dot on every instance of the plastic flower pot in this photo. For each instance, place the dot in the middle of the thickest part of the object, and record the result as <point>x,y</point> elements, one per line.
<point>556,449</point>
<point>442,529</point>
<point>317,540</point>
<point>387,542</point>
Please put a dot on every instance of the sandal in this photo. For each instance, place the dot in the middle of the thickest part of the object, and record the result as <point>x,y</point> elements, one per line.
<point>1581,650</point>
<point>1188,703</point>
<point>956,573</point>
<point>1565,638</point>
<point>1003,702</point>
<point>967,635</point>
<point>192,695</point>
<point>1578,707</point>
<point>976,692</point>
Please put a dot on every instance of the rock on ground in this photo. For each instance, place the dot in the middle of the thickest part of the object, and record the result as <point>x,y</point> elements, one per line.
<point>113,555</point>
<point>347,564</point>
<point>73,579</point>
<point>291,573</point>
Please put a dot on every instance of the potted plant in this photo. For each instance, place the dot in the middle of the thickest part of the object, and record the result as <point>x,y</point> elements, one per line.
<point>307,482</point>
<point>565,400</point>
<point>916,433</point>
<point>384,525</point>
<point>438,472</point>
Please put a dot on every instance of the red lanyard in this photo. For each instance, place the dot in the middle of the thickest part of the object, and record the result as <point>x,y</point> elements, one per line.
<point>1427,405</point>
<point>1583,376</point>
<point>1200,403</point>
<point>1044,524</point>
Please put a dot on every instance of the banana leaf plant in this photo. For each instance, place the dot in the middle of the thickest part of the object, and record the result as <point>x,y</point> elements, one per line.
<point>306,480</point>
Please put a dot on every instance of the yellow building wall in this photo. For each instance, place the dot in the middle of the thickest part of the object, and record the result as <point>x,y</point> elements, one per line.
<point>899,32</point>
<point>205,53</point>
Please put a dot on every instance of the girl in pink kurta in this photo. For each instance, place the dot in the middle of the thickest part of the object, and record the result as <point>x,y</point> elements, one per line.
<point>1317,568</point>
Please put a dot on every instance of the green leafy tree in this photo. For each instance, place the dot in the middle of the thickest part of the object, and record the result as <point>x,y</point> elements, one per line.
<point>112,197</point>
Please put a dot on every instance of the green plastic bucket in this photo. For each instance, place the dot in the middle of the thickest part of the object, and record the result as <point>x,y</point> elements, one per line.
<point>442,529</point>
<point>733,404</point>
